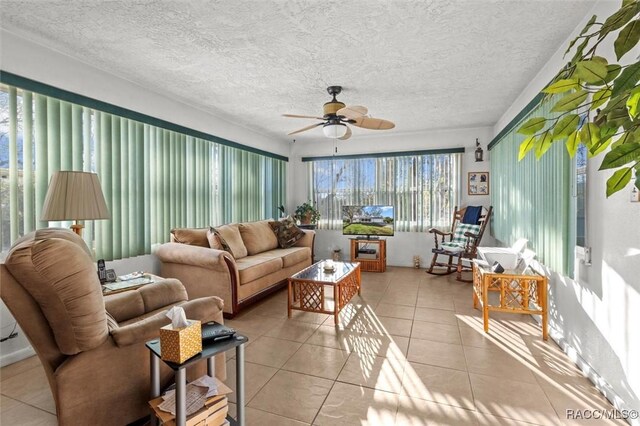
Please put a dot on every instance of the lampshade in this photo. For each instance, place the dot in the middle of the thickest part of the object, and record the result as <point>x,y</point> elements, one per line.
<point>74,196</point>
<point>334,130</point>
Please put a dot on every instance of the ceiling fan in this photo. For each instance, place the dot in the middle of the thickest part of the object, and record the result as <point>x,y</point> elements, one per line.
<point>337,115</point>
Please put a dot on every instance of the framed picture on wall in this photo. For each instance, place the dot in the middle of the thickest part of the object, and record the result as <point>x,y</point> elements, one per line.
<point>478,183</point>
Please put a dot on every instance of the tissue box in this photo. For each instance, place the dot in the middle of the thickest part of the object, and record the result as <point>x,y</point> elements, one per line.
<point>180,344</point>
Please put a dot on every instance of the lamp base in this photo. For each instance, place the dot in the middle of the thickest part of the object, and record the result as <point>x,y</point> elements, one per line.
<point>77,228</point>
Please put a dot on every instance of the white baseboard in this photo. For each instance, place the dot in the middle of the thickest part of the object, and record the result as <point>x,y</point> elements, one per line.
<point>16,356</point>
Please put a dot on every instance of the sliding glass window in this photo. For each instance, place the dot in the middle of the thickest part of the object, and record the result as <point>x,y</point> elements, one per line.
<point>153,179</point>
<point>424,189</point>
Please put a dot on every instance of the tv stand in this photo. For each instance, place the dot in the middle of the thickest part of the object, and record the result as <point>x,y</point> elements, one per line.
<point>370,253</point>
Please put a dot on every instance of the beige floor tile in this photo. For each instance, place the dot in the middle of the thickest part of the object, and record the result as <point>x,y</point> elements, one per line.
<point>398,298</point>
<point>512,399</point>
<point>30,387</point>
<point>310,317</point>
<point>270,351</point>
<point>17,413</point>
<point>392,326</point>
<point>440,316</point>
<point>373,372</point>
<point>381,345</point>
<point>498,363</point>
<point>436,332</point>
<point>437,384</point>
<point>256,376</point>
<point>255,417</point>
<point>333,337</point>
<point>19,367</point>
<point>253,325</point>
<point>317,361</point>
<point>418,412</point>
<point>436,353</point>
<point>435,302</point>
<point>293,395</point>
<point>491,420</point>
<point>292,330</point>
<point>394,311</point>
<point>354,405</point>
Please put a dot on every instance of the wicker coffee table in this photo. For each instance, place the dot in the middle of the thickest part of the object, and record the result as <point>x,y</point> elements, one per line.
<point>307,288</point>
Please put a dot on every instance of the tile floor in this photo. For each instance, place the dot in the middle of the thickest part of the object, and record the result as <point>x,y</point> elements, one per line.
<point>409,351</point>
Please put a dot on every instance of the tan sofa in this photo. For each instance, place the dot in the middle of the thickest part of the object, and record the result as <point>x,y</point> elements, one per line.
<point>238,281</point>
<point>92,348</point>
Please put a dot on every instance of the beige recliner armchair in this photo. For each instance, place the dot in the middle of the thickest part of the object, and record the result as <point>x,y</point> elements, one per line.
<point>92,348</point>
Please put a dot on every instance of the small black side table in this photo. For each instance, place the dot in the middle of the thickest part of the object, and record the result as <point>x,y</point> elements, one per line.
<point>209,350</point>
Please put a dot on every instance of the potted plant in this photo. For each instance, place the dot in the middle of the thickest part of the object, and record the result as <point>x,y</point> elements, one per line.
<point>306,213</point>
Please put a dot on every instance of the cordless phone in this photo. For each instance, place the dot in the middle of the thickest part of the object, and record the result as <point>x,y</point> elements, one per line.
<point>105,275</point>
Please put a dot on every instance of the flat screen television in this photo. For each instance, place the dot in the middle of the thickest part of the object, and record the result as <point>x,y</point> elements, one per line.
<point>368,221</point>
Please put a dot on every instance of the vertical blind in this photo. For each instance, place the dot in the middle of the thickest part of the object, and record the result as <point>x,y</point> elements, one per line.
<point>424,189</point>
<point>531,198</point>
<point>153,179</point>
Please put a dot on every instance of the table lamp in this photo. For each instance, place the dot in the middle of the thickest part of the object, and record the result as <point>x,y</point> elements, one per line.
<point>74,196</point>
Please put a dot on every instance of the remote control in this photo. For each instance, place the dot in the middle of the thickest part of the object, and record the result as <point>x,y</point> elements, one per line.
<point>213,331</point>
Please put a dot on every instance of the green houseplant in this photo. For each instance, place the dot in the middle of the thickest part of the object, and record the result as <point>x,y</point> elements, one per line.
<point>306,213</point>
<point>599,102</point>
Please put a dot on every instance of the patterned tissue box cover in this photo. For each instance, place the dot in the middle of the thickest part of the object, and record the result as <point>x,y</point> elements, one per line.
<point>180,344</point>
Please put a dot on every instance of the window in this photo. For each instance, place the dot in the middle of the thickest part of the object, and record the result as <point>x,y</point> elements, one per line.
<point>581,196</point>
<point>153,178</point>
<point>423,188</point>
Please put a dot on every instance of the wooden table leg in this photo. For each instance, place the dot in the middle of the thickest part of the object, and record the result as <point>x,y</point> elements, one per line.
<point>289,299</point>
<point>336,303</point>
<point>485,304</point>
<point>545,314</point>
<point>359,277</point>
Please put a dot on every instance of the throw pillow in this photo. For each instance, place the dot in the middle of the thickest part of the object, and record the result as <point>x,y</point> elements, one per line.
<point>231,240</point>
<point>191,236</point>
<point>214,241</point>
<point>258,237</point>
<point>459,241</point>
<point>287,232</point>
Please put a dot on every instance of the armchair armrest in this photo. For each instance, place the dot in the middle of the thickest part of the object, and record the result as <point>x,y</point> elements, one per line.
<point>193,255</point>
<point>439,232</point>
<point>203,309</point>
<point>131,304</point>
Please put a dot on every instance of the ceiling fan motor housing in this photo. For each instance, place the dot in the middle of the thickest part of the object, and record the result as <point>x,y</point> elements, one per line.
<point>332,107</point>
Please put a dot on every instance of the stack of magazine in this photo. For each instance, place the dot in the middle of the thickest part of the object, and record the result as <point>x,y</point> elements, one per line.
<point>129,281</point>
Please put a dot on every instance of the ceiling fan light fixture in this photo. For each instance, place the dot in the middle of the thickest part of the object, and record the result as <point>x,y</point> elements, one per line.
<point>334,130</point>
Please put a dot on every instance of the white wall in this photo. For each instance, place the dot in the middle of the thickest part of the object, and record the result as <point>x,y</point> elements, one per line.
<point>595,315</point>
<point>404,245</point>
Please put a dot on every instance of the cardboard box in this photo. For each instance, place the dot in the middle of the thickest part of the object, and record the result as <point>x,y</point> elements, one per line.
<point>181,344</point>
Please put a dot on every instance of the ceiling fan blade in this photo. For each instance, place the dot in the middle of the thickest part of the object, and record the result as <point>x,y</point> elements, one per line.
<point>353,111</point>
<point>304,129</point>
<point>301,116</point>
<point>346,135</point>
<point>373,123</point>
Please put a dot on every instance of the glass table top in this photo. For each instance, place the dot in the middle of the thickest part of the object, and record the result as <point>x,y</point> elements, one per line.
<point>317,272</point>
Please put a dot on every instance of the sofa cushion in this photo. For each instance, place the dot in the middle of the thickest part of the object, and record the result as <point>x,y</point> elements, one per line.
<point>254,267</point>
<point>286,231</point>
<point>290,256</point>
<point>258,237</point>
<point>231,240</point>
<point>214,240</point>
<point>191,236</point>
<point>55,268</point>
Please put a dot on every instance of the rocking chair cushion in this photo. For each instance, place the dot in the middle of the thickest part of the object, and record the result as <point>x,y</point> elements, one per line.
<point>458,235</point>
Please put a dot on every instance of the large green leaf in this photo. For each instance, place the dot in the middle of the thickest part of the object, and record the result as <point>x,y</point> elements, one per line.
<point>561,86</point>
<point>580,50</point>
<point>572,144</point>
<point>526,146</point>
<point>619,19</point>
<point>626,80</point>
<point>532,125</point>
<point>621,155</point>
<point>626,137</point>
<point>570,101</point>
<point>619,180</point>
<point>599,147</point>
<point>612,72</point>
<point>591,71</point>
<point>565,126</point>
<point>618,102</point>
<point>633,103</point>
<point>544,143</point>
<point>600,98</point>
<point>583,32</point>
<point>589,134</point>
<point>627,39</point>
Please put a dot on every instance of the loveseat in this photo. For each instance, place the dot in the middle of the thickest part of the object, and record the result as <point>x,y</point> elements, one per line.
<point>255,266</point>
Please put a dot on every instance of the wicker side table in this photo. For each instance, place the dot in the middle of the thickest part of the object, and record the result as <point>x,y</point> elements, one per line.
<point>518,294</point>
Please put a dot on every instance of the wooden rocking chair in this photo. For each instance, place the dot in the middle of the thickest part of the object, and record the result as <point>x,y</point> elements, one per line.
<point>463,240</point>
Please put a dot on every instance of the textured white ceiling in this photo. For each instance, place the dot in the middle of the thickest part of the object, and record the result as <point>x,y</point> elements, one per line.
<point>422,64</point>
